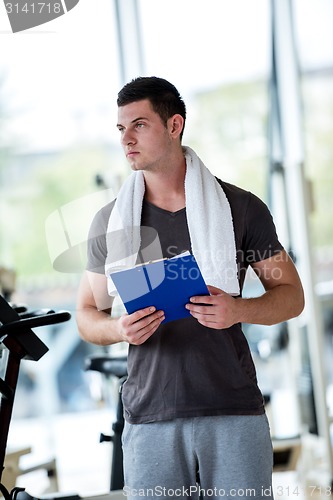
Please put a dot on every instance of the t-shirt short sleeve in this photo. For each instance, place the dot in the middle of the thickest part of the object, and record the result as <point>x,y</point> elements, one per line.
<point>96,245</point>
<point>260,238</point>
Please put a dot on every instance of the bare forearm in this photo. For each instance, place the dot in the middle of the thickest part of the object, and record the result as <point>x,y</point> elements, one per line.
<point>94,320</point>
<point>220,310</point>
<point>97,327</point>
<point>274,306</point>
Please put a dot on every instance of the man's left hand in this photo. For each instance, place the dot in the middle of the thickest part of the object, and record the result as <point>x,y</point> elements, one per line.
<point>218,310</point>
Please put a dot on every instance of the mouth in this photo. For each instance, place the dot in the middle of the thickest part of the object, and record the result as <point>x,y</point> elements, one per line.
<point>130,154</point>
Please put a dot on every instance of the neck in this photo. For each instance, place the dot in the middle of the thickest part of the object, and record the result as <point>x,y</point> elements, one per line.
<point>165,188</point>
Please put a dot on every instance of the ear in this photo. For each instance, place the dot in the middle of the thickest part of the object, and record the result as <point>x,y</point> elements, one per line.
<point>175,125</point>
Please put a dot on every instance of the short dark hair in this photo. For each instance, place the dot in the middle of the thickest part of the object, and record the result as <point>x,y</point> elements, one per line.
<point>163,96</point>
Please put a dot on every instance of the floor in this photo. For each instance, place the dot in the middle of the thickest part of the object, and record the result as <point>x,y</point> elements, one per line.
<point>83,464</point>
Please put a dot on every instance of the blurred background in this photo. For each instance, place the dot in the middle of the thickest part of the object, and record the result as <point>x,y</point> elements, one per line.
<point>59,150</point>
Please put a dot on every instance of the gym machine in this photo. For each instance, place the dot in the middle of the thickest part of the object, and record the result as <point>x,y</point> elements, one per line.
<point>113,366</point>
<point>21,343</point>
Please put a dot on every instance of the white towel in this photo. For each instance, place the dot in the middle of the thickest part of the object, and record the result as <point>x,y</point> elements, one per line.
<point>209,222</point>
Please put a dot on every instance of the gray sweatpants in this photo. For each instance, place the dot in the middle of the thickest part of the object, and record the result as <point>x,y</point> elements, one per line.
<point>230,456</point>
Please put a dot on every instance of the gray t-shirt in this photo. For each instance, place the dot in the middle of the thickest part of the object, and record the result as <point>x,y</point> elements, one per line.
<point>185,369</point>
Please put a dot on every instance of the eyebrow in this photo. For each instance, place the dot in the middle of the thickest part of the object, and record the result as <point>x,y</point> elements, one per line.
<point>134,121</point>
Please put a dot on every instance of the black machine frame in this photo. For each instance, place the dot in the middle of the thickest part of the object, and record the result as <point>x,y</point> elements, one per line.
<point>22,343</point>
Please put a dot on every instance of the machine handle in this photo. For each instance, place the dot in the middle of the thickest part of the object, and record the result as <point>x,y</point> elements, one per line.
<point>33,321</point>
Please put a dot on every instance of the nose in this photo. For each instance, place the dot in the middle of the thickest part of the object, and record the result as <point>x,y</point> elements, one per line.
<point>127,138</point>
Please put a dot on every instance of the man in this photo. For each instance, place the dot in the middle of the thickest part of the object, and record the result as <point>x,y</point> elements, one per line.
<point>192,406</point>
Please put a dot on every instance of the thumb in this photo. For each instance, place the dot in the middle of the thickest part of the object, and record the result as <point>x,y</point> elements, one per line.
<point>213,290</point>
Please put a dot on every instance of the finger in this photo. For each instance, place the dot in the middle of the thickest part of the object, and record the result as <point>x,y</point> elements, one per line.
<point>145,322</point>
<point>207,310</point>
<point>144,333</point>
<point>204,318</point>
<point>147,332</point>
<point>210,324</point>
<point>202,299</point>
<point>214,290</point>
<point>141,313</point>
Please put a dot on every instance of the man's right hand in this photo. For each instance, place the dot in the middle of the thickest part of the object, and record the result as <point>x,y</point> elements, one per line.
<point>95,324</point>
<point>137,327</point>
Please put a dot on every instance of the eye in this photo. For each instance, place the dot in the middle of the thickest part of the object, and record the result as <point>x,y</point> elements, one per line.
<point>140,125</point>
<point>121,129</point>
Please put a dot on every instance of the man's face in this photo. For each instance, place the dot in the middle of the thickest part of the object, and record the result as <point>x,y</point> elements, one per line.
<point>144,137</point>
